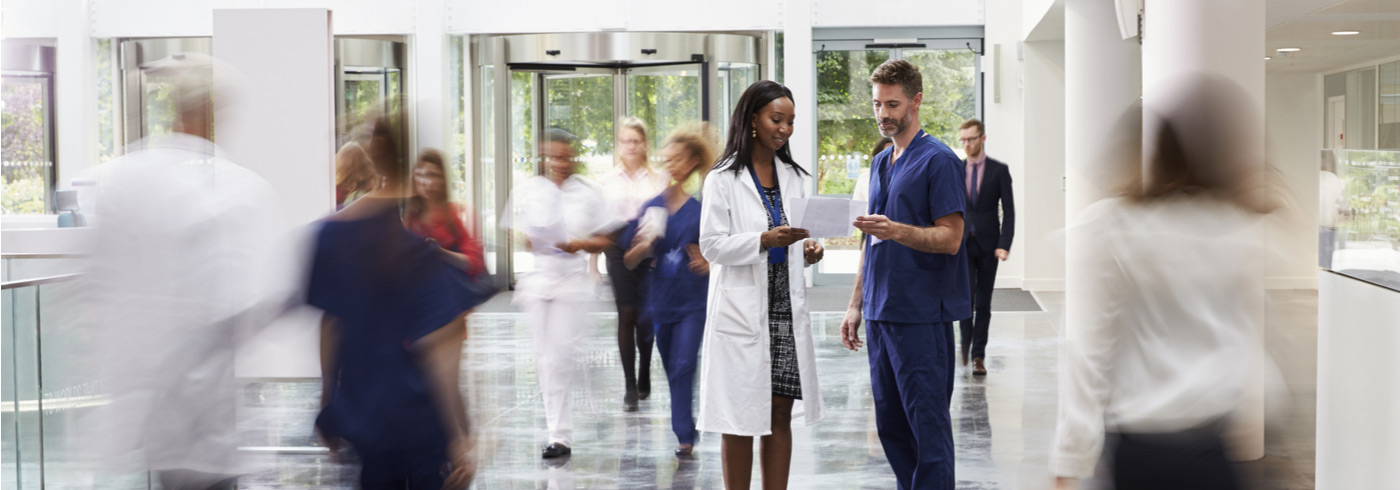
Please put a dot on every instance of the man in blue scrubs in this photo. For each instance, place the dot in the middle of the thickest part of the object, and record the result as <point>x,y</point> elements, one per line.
<point>912,285</point>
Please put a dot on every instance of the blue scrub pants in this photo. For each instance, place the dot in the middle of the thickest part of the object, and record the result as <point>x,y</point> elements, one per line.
<point>911,366</point>
<point>679,343</point>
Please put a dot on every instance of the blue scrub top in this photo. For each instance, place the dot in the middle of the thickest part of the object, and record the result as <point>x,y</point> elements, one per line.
<point>672,288</point>
<point>900,284</point>
<point>388,288</point>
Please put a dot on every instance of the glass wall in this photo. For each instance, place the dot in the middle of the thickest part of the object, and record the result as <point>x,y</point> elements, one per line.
<point>27,168</point>
<point>1389,113</point>
<point>1361,108</point>
<point>1359,215</point>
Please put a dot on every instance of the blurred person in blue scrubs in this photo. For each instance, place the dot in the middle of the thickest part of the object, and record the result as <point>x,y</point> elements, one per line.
<point>392,334</point>
<point>1163,344</point>
<point>912,283</point>
<point>678,275</point>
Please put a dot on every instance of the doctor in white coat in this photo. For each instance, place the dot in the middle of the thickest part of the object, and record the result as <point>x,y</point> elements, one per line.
<point>759,368</point>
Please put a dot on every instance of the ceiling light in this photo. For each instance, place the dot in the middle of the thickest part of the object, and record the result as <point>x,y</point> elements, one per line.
<point>1345,33</point>
<point>1266,58</point>
<point>1288,50</point>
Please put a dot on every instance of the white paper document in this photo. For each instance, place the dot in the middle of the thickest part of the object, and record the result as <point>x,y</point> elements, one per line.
<point>826,217</point>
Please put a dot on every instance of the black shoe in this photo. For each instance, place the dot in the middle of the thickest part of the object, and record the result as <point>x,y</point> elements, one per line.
<point>556,450</point>
<point>684,451</point>
<point>629,402</point>
<point>644,387</point>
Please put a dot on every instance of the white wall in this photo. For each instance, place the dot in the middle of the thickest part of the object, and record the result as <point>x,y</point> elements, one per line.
<point>1358,434</point>
<point>282,128</point>
<point>1292,105</point>
<point>1005,130</point>
<point>1044,201</point>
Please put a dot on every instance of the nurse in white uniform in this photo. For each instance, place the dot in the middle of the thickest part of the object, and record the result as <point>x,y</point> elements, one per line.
<point>562,218</point>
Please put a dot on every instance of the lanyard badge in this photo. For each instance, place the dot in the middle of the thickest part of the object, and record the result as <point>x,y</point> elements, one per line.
<point>776,255</point>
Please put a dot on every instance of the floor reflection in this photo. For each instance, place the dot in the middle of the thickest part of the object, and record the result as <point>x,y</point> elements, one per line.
<point>614,449</point>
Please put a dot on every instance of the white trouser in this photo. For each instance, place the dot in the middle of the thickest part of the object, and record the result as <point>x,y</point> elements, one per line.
<point>558,328</point>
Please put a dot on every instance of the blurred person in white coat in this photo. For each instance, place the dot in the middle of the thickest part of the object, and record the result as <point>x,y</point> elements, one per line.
<point>759,369</point>
<point>180,274</point>
<point>1163,360</point>
<point>562,218</point>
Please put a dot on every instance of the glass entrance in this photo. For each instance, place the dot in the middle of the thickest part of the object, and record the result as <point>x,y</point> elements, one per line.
<point>523,98</point>
<point>846,129</point>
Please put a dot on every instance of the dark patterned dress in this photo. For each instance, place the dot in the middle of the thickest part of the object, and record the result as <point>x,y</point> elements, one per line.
<point>782,346</point>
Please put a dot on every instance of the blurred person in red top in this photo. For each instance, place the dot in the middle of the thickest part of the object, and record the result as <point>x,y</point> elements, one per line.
<point>432,216</point>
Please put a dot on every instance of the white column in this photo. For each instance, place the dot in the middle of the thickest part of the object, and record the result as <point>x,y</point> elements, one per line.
<point>800,76</point>
<point>1185,40</point>
<point>429,72</point>
<point>1102,89</point>
<point>75,94</point>
<point>283,129</point>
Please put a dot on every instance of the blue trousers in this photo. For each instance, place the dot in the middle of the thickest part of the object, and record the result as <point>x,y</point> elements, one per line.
<point>911,367</point>
<point>679,343</point>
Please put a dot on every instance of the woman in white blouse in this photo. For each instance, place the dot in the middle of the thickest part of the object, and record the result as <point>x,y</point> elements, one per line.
<point>1163,352</point>
<point>631,183</point>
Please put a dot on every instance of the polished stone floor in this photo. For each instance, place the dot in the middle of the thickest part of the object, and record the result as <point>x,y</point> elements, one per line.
<point>1003,423</point>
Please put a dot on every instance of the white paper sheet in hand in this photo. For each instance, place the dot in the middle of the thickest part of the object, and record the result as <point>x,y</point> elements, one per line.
<point>826,217</point>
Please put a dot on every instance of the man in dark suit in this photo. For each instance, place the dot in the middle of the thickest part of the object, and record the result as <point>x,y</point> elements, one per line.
<point>987,238</point>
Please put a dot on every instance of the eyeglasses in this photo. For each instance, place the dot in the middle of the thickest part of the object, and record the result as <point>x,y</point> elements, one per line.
<point>969,140</point>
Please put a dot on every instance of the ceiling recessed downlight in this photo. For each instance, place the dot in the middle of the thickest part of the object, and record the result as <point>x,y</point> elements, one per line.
<point>1288,50</point>
<point>1345,33</point>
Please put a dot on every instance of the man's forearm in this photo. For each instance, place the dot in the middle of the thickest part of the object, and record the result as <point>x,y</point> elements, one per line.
<point>857,294</point>
<point>936,239</point>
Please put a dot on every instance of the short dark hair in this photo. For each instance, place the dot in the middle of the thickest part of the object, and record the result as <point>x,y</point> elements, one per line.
<point>560,135</point>
<point>973,123</point>
<point>899,72</point>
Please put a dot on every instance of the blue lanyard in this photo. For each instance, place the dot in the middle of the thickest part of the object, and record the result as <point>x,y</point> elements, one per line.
<point>776,255</point>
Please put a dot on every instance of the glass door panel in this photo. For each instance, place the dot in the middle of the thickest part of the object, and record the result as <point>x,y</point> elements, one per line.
<point>846,134</point>
<point>28,149</point>
<point>734,79</point>
<point>950,91</point>
<point>524,155</point>
<point>582,104</point>
<point>665,98</point>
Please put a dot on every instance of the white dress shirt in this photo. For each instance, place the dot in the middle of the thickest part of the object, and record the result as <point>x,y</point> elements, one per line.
<point>1163,330</point>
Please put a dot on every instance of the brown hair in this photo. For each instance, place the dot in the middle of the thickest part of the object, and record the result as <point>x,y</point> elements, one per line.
<point>899,72</point>
<point>1199,151</point>
<point>697,140</point>
<point>973,123</point>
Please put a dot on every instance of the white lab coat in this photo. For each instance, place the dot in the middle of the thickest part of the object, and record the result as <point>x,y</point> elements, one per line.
<point>736,371</point>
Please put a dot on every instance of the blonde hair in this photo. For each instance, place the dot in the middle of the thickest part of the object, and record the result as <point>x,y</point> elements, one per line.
<point>699,141</point>
<point>636,124</point>
<point>353,167</point>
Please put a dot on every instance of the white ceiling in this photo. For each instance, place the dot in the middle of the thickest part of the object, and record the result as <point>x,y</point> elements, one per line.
<point>1308,24</point>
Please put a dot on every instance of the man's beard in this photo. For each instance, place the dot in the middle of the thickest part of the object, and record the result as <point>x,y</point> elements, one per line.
<point>899,126</point>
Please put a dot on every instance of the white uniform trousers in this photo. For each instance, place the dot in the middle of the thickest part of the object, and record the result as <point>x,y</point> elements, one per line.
<point>558,327</point>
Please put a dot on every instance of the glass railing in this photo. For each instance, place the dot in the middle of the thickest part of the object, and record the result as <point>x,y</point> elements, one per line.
<point>1359,218</point>
<point>16,267</point>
